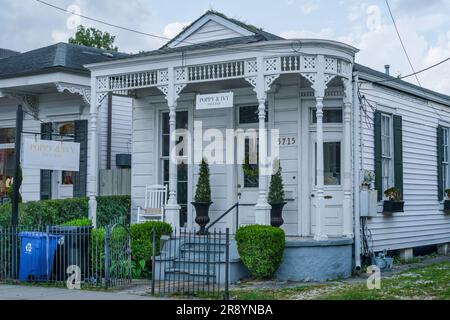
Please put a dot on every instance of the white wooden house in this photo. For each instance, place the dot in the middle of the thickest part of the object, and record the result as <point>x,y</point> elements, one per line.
<point>54,89</point>
<point>323,104</point>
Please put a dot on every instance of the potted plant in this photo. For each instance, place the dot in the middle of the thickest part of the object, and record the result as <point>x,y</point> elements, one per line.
<point>394,202</point>
<point>202,199</point>
<point>447,202</point>
<point>368,179</point>
<point>276,196</point>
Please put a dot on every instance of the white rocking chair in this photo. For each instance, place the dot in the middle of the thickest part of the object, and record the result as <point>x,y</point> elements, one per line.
<point>155,204</point>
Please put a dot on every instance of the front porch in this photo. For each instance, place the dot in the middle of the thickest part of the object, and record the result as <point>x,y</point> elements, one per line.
<point>307,97</point>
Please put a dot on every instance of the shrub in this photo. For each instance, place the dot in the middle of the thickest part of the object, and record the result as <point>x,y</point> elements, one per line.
<point>56,212</point>
<point>83,222</point>
<point>142,237</point>
<point>141,245</point>
<point>261,249</point>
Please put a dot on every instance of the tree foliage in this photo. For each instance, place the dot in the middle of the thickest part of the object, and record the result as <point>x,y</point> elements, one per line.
<point>95,38</point>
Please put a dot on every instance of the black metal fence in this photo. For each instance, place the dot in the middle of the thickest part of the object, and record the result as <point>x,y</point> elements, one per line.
<point>192,264</point>
<point>68,256</point>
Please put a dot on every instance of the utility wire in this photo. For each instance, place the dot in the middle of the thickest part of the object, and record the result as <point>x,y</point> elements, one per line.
<point>401,42</point>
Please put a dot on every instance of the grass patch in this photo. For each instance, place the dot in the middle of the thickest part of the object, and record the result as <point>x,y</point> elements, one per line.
<point>426,283</point>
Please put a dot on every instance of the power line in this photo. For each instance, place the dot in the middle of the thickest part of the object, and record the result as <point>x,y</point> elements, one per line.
<point>401,42</point>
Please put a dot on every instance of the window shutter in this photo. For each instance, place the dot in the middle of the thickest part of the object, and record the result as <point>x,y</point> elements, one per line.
<point>80,177</point>
<point>378,172</point>
<point>46,175</point>
<point>398,153</point>
<point>440,158</point>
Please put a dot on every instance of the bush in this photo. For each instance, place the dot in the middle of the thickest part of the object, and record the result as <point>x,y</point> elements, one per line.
<point>142,237</point>
<point>141,245</point>
<point>57,212</point>
<point>84,222</point>
<point>261,249</point>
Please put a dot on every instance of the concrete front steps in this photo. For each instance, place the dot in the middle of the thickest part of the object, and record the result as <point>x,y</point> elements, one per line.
<point>198,259</point>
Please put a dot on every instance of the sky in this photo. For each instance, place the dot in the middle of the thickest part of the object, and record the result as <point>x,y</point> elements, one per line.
<point>424,26</point>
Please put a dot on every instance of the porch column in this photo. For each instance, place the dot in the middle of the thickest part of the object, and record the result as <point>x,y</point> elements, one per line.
<point>347,168</point>
<point>262,208</point>
<point>172,208</point>
<point>319,234</point>
<point>93,155</point>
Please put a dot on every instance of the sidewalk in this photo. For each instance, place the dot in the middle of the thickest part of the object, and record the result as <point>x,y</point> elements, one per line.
<point>13,292</point>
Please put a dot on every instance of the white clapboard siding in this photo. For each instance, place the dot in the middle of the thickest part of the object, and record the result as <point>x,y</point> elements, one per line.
<point>143,150</point>
<point>121,127</point>
<point>210,31</point>
<point>422,223</point>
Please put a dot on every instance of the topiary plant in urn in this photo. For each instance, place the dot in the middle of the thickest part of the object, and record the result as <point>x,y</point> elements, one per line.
<point>202,199</point>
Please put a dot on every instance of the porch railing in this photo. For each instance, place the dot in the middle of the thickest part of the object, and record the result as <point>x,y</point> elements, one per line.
<point>235,206</point>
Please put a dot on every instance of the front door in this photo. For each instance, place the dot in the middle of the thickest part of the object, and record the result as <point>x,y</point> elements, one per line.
<point>333,191</point>
<point>247,164</point>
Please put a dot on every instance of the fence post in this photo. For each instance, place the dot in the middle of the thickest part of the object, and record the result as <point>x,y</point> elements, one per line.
<point>153,260</point>
<point>107,255</point>
<point>227,264</point>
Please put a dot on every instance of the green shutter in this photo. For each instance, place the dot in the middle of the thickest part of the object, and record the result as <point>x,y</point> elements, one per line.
<point>46,175</point>
<point>398,153</point>
<point>440,158</point>
<point>80,177</point>
<point>378,168</point>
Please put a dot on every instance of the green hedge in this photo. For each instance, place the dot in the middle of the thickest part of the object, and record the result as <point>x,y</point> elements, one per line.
<point>261,249</point>
<point>57,212</point>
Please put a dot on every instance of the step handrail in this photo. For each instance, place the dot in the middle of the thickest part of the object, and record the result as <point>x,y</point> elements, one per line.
<point>235,206</point>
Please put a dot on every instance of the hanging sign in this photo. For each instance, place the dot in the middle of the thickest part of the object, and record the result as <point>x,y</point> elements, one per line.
<point>51,155</point>
<point>214,101</point>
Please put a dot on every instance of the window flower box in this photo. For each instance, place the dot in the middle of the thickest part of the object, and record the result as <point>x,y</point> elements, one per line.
<point>394,202</point>
<point>447,206</point>
<point>390,206</point>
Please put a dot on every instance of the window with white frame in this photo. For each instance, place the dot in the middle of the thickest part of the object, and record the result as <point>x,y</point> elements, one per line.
<point>387,151</point>
<point>445,156</point>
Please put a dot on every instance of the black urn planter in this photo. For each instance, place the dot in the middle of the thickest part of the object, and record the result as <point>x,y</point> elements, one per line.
<point>393,206</point>
<point>276,214</point>
<point>202,217</point>
<point>447,206</point>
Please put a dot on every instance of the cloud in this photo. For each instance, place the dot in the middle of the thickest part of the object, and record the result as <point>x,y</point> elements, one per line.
<point>326,33</point>
<point>308,7</point>
<point>174,28</point>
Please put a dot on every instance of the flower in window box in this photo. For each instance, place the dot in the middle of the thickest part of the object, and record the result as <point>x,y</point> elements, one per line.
<point>394,202</point>
<point>447,202</point>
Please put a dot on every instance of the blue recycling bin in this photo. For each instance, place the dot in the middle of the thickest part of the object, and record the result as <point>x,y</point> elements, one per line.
<point>37,251</point>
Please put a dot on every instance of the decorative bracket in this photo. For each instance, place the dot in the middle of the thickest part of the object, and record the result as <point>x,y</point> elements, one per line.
<point>29,101</point>
<point>84,92</point>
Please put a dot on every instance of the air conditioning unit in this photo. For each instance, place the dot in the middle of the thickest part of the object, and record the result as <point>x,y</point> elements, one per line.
<point>123,160</point>
<point>368,203</point>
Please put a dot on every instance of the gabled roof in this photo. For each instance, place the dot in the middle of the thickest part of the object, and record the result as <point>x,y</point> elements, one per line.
<point>381,78</point>
<point>57,57</point>
<point>250,29</point>
<point>6,53</point>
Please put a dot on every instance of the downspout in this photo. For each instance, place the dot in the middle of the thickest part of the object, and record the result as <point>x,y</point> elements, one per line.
<point>357,170</point>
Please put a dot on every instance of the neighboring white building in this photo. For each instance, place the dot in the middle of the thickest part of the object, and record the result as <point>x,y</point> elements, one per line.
<point>365,120</point>
<point>54,89</point>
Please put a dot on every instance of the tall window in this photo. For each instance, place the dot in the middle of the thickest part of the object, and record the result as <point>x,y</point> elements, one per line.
<point>387,151</point>
<point>67,131</point>
<point>7,139</point>
<point>182,172</point>
<point>445,156</point>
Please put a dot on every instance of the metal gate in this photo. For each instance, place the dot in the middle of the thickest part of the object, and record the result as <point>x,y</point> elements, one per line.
<point>76,257</point>
<point>192,264</point>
